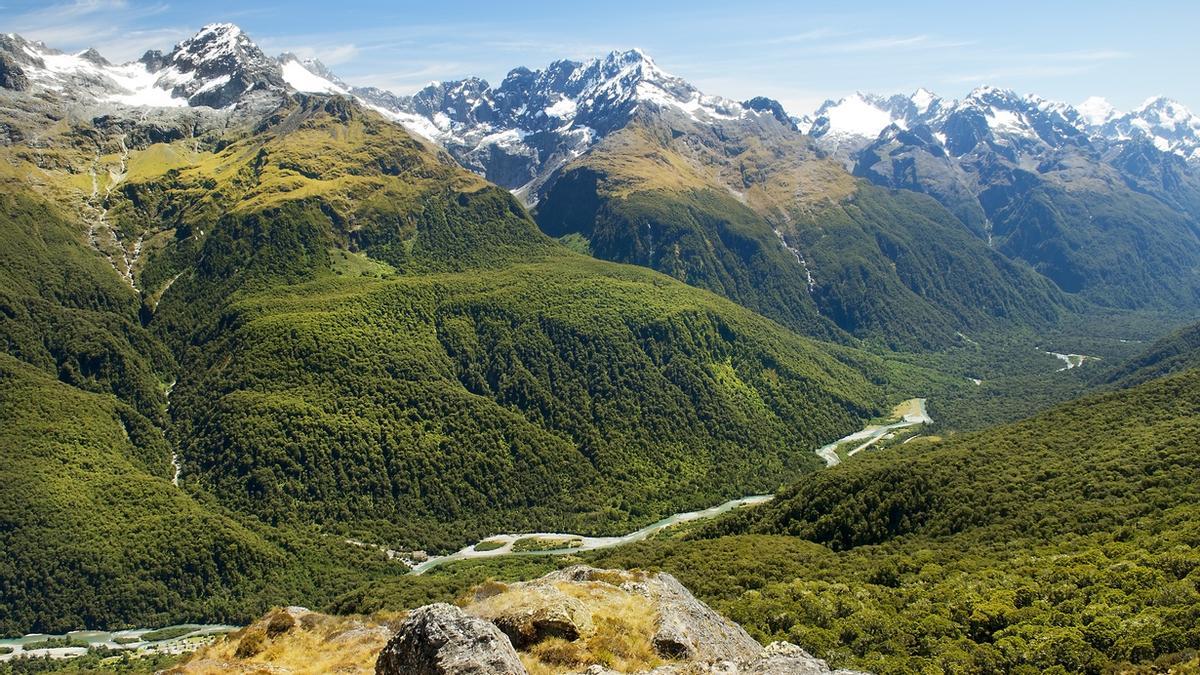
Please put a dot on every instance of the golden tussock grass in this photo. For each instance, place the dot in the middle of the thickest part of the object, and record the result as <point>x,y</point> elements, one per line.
<point>313,643</point>
<point>624,626</point>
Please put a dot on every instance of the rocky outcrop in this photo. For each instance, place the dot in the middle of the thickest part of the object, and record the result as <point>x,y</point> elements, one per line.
<point>585,612</point>
<point>785,658</point>
<point>442,640</point>
<point>11,75</point>
<point>686,629</point>
<point>532,613</point>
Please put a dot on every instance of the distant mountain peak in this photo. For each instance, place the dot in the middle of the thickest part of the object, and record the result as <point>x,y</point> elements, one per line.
<point>216,67</point>
<point>535,121</point>
<point>90,54</point>
<point>923,99</point>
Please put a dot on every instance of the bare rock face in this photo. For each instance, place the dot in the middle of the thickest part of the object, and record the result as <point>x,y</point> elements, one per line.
<point>785,658</point>
<point>442,640</point>
<point>687,629</point>
<point>11,75</point>
<point>533,612</point>
<point>778,658</point>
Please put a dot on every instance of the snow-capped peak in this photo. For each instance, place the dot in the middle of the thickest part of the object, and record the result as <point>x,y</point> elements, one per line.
<point>1165,111</point>
<point>1167,124</point>
<point>923,99</point>
<point>216,67</point>
<point>994,96</point>
<point>213,41</point>
<point>86,75</point>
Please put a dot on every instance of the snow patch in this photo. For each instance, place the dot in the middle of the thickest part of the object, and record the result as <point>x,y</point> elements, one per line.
<point>563,109</point>
<point>508,138</point>
<point>923,99</point>
<point>856,116</point>
<point>302,79</point>
<point>127,84</point>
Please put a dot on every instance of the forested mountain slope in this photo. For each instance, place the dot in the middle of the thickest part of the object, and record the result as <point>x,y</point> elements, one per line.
<point>1064,541</point>
<point>747,208</point>
<point>1172,353</point>
<point>340,332</point>
<point>397,344</point>
<point>93,533</point>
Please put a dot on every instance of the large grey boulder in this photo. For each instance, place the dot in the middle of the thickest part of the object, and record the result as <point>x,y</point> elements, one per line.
<point>441,639</point>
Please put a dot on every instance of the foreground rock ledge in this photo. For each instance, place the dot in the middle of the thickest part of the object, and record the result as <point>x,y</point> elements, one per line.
<point>441,640</point>
<point>687,636</point>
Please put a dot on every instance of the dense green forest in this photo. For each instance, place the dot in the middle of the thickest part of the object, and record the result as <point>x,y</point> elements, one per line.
<point>63,310</point>
<point>1173,353</point>
<point>703,237</point>
<point>381,346</point>
<point>93,533</point>
<point>1083,238</point>
<point>1063,542</point>
<point>904,272</point>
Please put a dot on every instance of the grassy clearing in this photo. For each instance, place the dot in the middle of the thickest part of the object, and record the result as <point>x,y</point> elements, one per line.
<point>535,544</point>
<point>167,633</point>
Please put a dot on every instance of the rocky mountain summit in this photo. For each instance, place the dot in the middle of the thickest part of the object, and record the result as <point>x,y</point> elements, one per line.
<point>518,133</point>
<point>219,67</point>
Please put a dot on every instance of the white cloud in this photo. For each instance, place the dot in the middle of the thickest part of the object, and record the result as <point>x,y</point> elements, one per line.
<point>108,25</point>
<point>893,43</point>
<point>807,36</point>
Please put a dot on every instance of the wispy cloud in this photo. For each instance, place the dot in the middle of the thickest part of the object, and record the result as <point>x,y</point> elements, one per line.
<point>1042,65</point>
<point>894,43</point>
<point>813,35</point>
<point>1048,70</point>
<point>1086,55</point>
<point>112,26</point>
<point>330,55</point>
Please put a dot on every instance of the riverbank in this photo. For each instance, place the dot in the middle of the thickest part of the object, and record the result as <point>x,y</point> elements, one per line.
<point>139,641</point>
<point>503,544</point>
<point>908,413</point>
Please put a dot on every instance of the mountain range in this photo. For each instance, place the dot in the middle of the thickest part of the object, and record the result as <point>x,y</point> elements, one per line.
<point>724,195</point>
<point>260,325</point>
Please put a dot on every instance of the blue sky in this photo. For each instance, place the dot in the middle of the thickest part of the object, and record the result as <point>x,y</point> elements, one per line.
<point>797,52</point>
